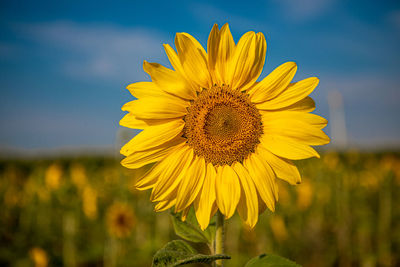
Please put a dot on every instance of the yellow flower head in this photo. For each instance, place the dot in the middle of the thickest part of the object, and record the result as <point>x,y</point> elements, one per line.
<point>120,220</point>
<point>89,202</point>
<point>304,195</point>
<point>53,176</point>
<point>78,175</point>
<point>220,138</point>
<point>39,257</point>
<point>278,228</point>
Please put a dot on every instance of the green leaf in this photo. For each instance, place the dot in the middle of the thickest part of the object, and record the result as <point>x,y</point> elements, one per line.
<point>178,252</point>
<point>209,233</point>
<point>189,229</point>
<point>270,260</point>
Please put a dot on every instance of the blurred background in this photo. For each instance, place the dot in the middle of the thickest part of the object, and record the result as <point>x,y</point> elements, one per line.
<point>64,66</point>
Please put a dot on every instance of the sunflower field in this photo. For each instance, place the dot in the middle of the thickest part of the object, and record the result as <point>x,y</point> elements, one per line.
<point>84,211</point>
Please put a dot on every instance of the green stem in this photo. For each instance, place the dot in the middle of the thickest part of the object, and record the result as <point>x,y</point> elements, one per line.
<point>69,231</point>
<point>219,238</point>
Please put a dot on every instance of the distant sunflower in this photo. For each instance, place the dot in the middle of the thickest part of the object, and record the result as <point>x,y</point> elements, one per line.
<point>219,137</point>
<point>39,257</point>
<point>53,176</point>
<point>120,220</point>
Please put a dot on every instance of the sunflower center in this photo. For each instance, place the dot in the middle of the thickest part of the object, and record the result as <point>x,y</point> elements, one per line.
<point>121,220</point>
<point>222,125</point>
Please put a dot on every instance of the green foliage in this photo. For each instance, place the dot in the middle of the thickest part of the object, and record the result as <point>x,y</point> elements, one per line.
<point>344,213</point>
<point>190,230</point>
<point>209,232</point>
<point>265,260</point>
<point>178,252</point>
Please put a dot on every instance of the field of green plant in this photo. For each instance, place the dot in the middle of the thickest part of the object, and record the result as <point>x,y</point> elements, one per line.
<point>85,212</point>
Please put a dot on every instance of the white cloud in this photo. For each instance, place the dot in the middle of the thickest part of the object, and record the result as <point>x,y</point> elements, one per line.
<point>7,50</point>
<point>210,14</point>
<point>362,89</point>
<point>97,51</point>
<point>394,18</point>
<point>301,10</point>
<point>370,105</point>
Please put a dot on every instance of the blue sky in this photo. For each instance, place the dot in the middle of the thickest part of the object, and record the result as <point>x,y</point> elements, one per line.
<point>64,64</point>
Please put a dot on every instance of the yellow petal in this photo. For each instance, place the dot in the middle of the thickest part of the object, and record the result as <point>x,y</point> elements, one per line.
<point>155,108</point>
<point>150,178</point>
<point>212,49</point>
<point>185,213</point>
<point>261,204</point>
<point>153,136</point>
<point>308,118</point>
<point>162,76</point>
<point>140,158</point>
<point>248,60</point>
<point>307,104</point>
<point>227,190</point>
<point>176,167</point>
<point>299,132</point>
<point>191,184</point>
<point>152,93</point>
<point>164,205</point>
<point>226,49</point>
<point>130,121</point>
<point>206,198</point>
<point>214,209</point>
<point>187,92</point>
<point>286,148</point>
<point>292,94</point>
<point>283,168</point>
<point>174,59</point>
<point>168,80</point>
<point>248,203</point>
<point>146,89</point>
<point>263,178</point>
<point>274,83</point>
<point>193,59</point>
<point>295,130</point>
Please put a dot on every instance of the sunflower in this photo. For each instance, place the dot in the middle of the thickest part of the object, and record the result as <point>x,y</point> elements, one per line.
<point>39,257</point>
<point>120,220</point>
<point>219,139</point>
<point>53,176</point>
<point>89,202</point>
